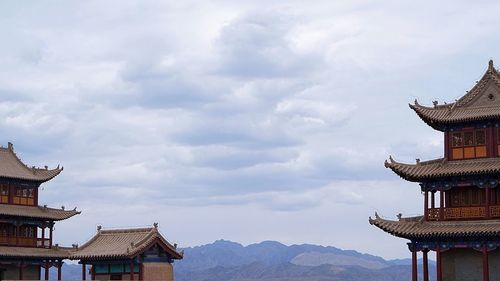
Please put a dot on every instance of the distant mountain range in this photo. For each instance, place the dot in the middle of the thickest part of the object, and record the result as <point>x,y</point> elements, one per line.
<point>272,261</point>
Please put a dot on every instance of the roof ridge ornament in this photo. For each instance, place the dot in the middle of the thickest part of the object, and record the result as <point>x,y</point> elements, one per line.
<point>377,216</point>
<point>10,146</point>
<point>491,67</point>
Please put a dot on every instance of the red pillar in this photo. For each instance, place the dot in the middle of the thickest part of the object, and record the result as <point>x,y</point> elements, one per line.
<point>18,230</point>
<point>50,236</point>
<point>425,265</point>
<point>426,205</point>
<point>84,275</point>
<point>414,275</point>
<point>21,277</point>
<point>441,205</point>
<point>43,236</point>
<point>487,190</point>
<point>47,271</point>
<point>59,273</point>
<point>433,200</point>
<point>486,269</point>
<point>131,270</point>
<point>439,269</point>
<point>140,272</point>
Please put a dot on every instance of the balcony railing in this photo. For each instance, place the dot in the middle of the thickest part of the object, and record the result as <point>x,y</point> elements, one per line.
<point>24,241</point>
<point>460,213</point>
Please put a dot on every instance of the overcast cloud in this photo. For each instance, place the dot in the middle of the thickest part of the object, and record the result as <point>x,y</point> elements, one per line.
<point>235,120</point>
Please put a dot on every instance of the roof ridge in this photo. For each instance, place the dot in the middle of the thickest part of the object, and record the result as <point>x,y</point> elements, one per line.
<point>490,73</point>
<point>418,162</point>
<point>126,230</point>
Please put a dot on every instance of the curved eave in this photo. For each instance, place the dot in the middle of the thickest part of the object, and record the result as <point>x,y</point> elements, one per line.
<point>442,169</point>
<point>426,114</point>
<point>442,116</point>
<point>38,177</point>
<point>420,229</point>
<point>406,171</point>
<point>36,212</point>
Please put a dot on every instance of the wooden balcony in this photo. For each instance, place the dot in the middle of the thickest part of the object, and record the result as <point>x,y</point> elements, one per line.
<point>463,213</point>
<point>24,242</point>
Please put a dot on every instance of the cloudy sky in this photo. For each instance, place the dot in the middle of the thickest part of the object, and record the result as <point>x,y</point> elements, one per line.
<point>240,120</point>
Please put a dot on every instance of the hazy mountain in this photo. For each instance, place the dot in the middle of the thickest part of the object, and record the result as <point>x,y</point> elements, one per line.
<point>273,261</point>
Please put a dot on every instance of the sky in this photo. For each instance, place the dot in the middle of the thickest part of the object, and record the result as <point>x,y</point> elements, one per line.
<point>238,120</point>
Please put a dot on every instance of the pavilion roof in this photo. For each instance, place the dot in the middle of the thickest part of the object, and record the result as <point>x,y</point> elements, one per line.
<point>12,167</point>
<point>441,168</point>
<point>418,228</point>
<point>36,212</point>
<point>482,102</point>
<point>123,243</point>
<point>29,252</point>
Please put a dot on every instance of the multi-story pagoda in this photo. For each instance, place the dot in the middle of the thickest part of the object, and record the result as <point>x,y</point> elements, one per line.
<point>26,235</point>
<point>25,228</point>
<point>461,192</point>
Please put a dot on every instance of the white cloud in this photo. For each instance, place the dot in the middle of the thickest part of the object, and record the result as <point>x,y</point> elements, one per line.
<point>275,119</point>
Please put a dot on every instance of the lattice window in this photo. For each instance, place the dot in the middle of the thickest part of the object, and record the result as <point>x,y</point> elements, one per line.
<point>468,144</point>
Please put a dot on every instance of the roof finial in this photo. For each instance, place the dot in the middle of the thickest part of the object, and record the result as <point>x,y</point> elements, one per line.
<point>10,146</point>
<point>99,227</point>
<point>155,225</point>
<point>490,66</point>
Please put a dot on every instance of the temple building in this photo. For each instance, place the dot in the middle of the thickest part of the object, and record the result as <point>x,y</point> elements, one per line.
<point>128,254</point>
<point>26,235</point>
<point>461,196</point>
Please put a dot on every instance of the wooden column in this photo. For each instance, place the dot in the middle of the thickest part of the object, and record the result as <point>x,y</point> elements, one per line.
<point>43,236</point>
<point>84,273</point>
<point>21,269</point>
<point>18,230</point>
<point>131,270</point>
<point>425,266</point>
<point>141,271</point>
<point>441,205</point>
<point>414,275</point>
<point>50,236</point>
<point>433,199</point>
<point>59,273</point>
<point>486,269</point>
<point>488,202</point>
<point>47,267</point>
<point>439,268</point>
<point>92,273</point>
<point>426,205</point>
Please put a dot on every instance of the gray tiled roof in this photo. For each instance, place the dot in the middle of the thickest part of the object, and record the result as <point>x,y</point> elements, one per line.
<point>28,252</point>
<point>37,212</point>
<point>440,168</point>
<point>123,243</point>
<point>415,228</point>
<point>12,167</point>
<point>480,103</point>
